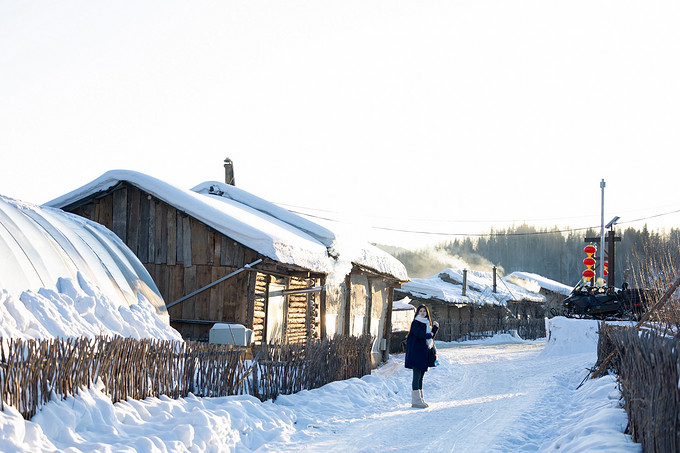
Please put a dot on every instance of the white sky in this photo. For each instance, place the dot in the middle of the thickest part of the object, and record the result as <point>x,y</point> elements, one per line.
<point>409,114</point>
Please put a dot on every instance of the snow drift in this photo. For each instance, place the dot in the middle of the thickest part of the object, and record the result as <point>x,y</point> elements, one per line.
<point>62,276</point>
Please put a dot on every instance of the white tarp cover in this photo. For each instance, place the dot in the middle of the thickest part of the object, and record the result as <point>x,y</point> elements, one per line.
<point>41,245</point>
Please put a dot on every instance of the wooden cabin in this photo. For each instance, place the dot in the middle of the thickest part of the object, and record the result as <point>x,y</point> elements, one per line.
<point>463,300</point>
<point>277,263</point>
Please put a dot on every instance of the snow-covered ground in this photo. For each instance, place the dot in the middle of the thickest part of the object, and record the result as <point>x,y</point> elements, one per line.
<point>495,395</point>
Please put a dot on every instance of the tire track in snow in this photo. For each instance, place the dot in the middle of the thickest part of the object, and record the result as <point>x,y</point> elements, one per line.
<point>483,398</point>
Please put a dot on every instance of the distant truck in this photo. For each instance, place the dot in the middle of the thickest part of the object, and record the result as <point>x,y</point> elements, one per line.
<point>604,302</point>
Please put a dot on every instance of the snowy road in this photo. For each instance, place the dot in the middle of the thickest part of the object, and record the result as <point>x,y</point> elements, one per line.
<point>501,394</point>
<point>483,398</point>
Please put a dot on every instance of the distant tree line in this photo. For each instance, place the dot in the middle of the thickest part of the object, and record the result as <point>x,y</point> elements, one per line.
<point>547,252</point>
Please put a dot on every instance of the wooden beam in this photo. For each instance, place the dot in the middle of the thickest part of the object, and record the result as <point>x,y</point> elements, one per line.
<point>143,248</point>
<point>193,321</point>
<point>151,244</point>
<point>322,309</point>
<point>171,228</point>
<point>133,221</point>
<point>286,301</point>
<point>186,240</point>
<point>120,213</point>
<point>268,280</point>
<point>368,307</point>
<point>348,302</point>
<point>251,279</point>
<point>199,290</point>
<point>387,330</point>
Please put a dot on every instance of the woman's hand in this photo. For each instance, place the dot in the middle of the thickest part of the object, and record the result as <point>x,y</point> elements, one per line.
<point>435,323</point>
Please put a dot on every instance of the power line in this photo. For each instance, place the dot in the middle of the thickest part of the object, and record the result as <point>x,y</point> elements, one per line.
<point>433,220</point>
<point>434,233</point>
<point>549,219</point>
<point>528,233</point>
<point>652,216</point>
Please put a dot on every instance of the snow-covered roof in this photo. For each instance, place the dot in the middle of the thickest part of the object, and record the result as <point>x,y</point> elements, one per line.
<point>255,223</point>
<point>59,270</point>
<point>447,286</point>
<point>526,279</point>
<point>403,305</point>
<point>227,191</point>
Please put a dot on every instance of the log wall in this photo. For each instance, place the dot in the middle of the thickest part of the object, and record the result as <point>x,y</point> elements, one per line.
<point>259,306</point>
<point>299,313</point>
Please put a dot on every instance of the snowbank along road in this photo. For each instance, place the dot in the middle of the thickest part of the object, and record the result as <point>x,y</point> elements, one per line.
<point>483,398</point>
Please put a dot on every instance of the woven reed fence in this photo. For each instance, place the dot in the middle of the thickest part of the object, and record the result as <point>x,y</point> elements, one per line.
<point>289,368</point>
<point>648,369</point>
<point>529,329</point>
<point>34,371</point>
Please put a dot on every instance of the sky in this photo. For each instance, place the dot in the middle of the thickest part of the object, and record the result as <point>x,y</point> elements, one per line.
<point>428,116</point>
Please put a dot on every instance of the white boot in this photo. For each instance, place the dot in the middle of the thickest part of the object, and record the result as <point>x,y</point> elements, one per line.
<point>422,398</point>
<point>417,400</point>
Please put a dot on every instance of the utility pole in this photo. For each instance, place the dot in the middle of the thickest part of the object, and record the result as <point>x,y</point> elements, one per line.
<point>602,184</point>
<point>229,172</point>
<point>611,258</point>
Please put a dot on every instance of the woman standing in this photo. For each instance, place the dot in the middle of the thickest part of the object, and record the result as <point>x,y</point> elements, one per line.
<point>419,341</point>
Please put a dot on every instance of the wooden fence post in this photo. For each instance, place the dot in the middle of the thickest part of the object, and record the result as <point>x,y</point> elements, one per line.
<point>256,391</point>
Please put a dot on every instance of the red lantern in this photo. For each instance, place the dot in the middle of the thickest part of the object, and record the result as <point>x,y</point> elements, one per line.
<point>606,265</point>
<point>589,262</point>
<point>588,273</point>
<point>606,272</point>
<point>590,249</point>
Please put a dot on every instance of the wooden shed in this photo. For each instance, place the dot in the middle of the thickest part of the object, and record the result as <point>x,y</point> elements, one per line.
<point>220,254</point>
<point>467,298</point>
<point>362,304</point>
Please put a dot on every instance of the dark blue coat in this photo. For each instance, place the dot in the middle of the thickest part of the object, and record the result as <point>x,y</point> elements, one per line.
<point>416,345</point>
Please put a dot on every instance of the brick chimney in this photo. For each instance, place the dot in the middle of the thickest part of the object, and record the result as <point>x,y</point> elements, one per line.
<point>229,172</point>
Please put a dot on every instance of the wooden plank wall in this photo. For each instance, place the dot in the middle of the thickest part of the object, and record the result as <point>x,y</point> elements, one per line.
<point>181,254</point>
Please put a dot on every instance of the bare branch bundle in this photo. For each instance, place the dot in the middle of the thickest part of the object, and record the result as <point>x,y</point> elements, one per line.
<point>288,368</point>
<point>33,371</point>
<point>647,367</point>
